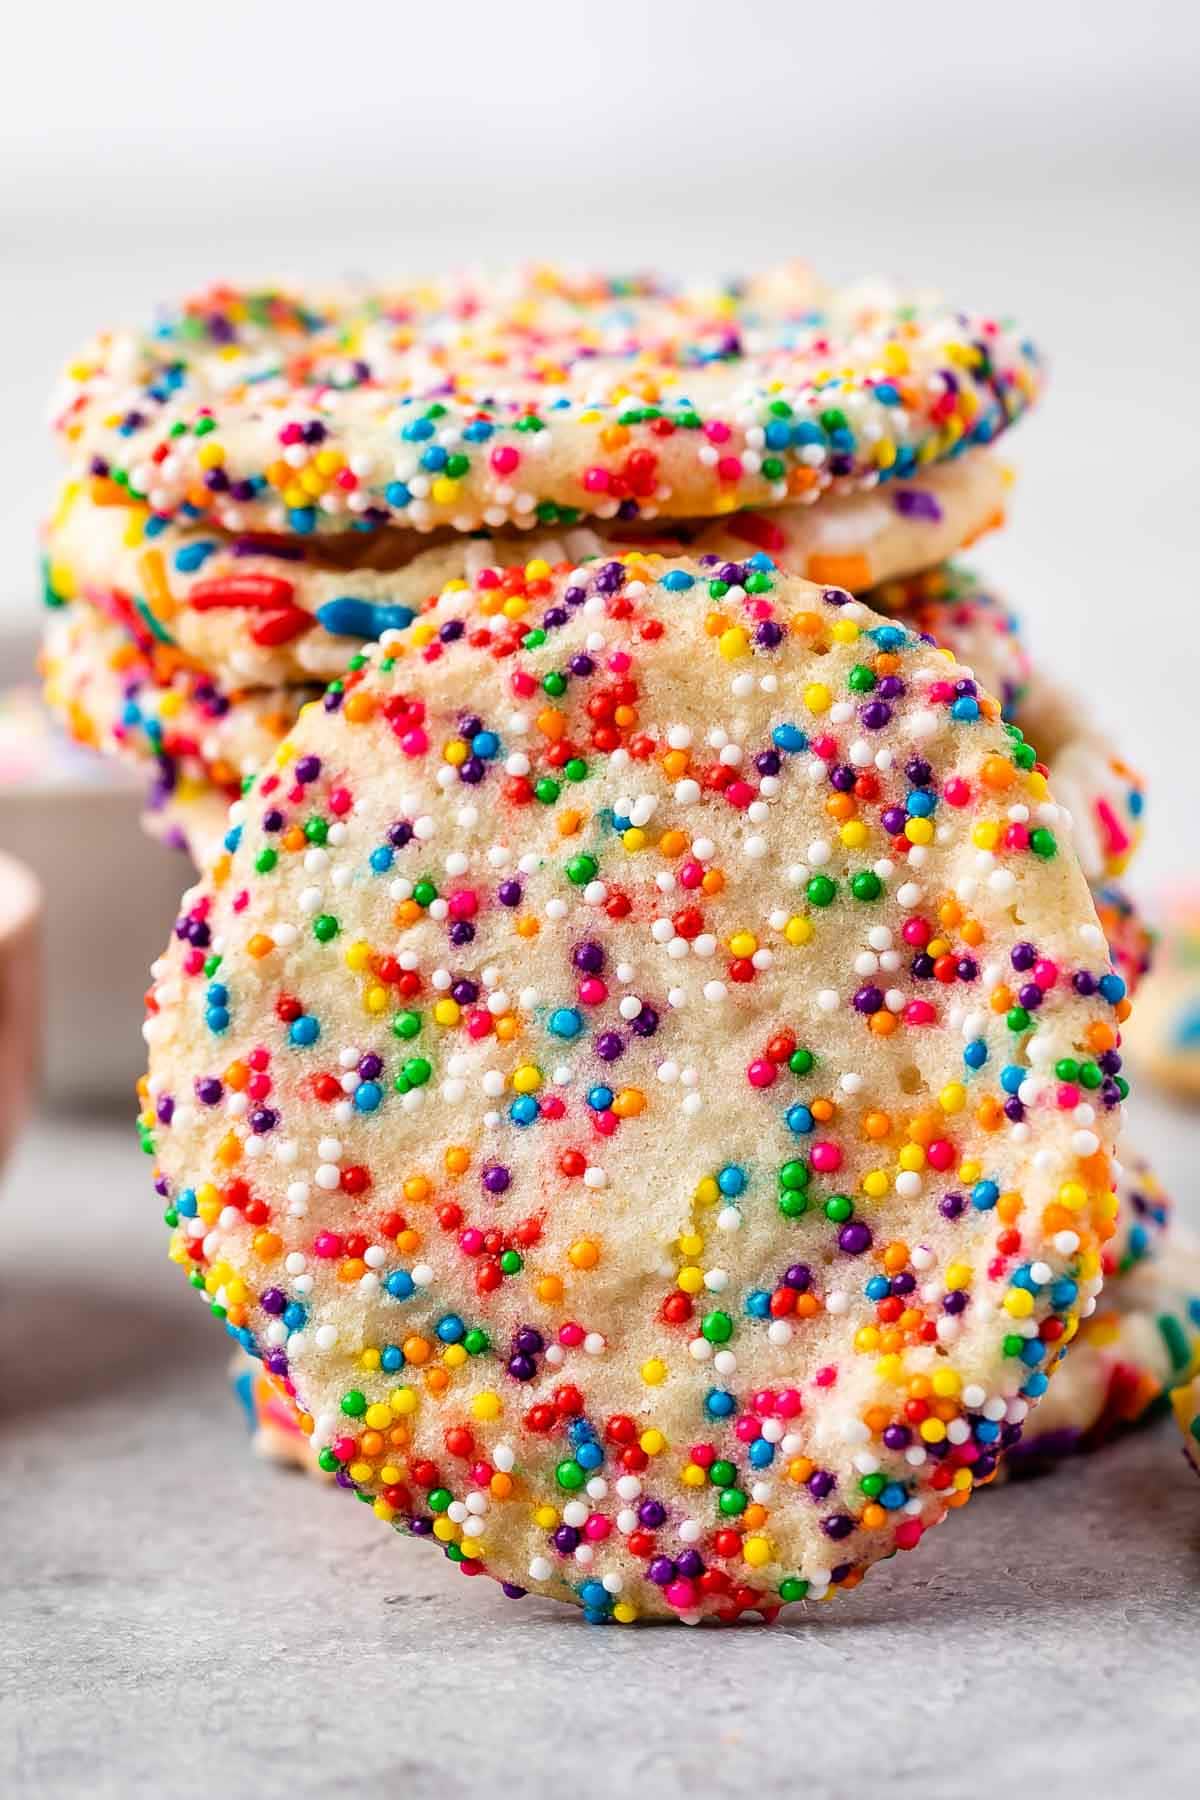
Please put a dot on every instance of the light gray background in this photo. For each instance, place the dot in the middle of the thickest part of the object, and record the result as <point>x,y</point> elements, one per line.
<point>179,1620</point>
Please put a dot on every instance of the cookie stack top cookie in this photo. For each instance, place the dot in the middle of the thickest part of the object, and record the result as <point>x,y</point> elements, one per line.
<point>473,406</point>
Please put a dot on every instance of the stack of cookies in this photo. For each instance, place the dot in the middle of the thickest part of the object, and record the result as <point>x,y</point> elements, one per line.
<point>278,503</point>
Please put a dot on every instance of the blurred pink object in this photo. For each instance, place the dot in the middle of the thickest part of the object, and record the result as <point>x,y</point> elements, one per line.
<point>20,995</point>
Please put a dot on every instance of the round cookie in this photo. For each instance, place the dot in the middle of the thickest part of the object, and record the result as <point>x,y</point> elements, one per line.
<point>1105,797</point>
<point>1166,1038</point>
<point>869,539</point>
<point>260,610</point>
<point>623,1107</point>
<point>546,399</point>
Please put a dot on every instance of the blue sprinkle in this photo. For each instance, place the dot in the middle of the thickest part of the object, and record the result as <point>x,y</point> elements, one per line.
<point>1112,988</point>
<point>984,1195</point>
<point>186,1203</point>
<point>367,1095</point>
<point>524,1110</point>
<point>719,1403</point>
<point>878,1288</point>
<point>302,519</point>
<point>348,616</point>
<point>966,707</point>
<point>391,1358</point>
<point>893,1496</point>
<point>450,1328</point>
<point>677,581</point>
<point>762,1453</point>
<point>216,1018</point>
<point>295,1316</point>
<point>1011,1077</point>
<point>191,557</point>
<point>600,1098</point>
<point>382,858</point>
<point>1034,1387</point>
<point>732,1180</point>
<point>400,1284</point>
<point>798,1119</point>
<point>789,737</point>
<point>304,1030</point>
<point>565,1022</point>
<point>758,1303</point>
<point>397,494</point>
<point>589,1456</point>
<point>485,744</point>
<point>975,1054</point>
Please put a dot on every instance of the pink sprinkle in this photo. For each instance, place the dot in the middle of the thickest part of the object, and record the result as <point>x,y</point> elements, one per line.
<point>593,991</point>
<point>571,1335</point>
<point>596,480</point>
<point>470,1241</point>
<point>788,1403</point>
<point>597,1528</point>
<point>1045,973</point>
<point>1068,1096</point>
<point>704,1455</point>
<point>680,1594</point>
<point>504,459</point>
<point>619,662</point>
<point>414,743</point>
<point>941,1154</point>
<point>825,1158</point>
<point>729,468</point>
<point>825,1377</point>
<point>327,1243</point>
<point>957,792</point>
<point>523,684</point>
<point>919,1012</point>
<point>1016,837</point>
<point>717,432</point>
<point>691,875</point>
<point>464,904</point>
<point>761,1073</point>
<point>740,793</point>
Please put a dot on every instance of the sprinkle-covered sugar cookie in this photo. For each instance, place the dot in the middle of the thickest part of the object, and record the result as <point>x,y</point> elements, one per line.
<point>258,609</point>
<point>547,399</point>
<point>641,1076</point>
